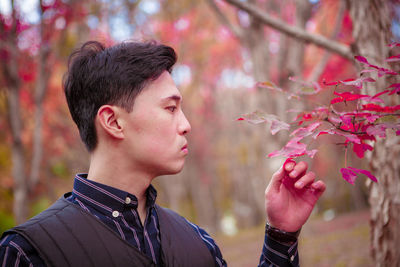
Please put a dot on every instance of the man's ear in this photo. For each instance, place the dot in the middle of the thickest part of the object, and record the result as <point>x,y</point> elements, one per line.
<point>109,120</point>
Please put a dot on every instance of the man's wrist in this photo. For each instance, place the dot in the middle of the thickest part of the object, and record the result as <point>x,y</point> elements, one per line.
<point>281,235</point>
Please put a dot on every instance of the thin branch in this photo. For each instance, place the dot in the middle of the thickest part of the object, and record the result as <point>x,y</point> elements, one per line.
<point>320,67</point>
<point>294,31</point>
<point>343,130</point>
<point>237,31</point>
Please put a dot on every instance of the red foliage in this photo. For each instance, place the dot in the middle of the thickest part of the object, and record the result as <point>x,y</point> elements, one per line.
<point>359,127</point>
<point>377,108</point>
<point>346,96</point>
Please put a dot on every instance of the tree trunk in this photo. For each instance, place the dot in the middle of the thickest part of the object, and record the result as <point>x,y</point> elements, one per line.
<point>18,158</point>
<point>372,34</point>
<point>40,92</point>
<point>9,69</point>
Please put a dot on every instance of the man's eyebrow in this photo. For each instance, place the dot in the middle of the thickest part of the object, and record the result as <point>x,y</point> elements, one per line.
<point>172,97</point>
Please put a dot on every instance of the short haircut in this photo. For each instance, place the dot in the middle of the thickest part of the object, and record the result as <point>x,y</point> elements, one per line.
<point>99,75</point>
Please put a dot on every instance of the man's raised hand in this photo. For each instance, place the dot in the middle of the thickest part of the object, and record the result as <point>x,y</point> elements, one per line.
<point>291,196</point>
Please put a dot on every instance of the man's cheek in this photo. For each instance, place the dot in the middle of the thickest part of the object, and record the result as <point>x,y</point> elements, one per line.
<point>156,147</point>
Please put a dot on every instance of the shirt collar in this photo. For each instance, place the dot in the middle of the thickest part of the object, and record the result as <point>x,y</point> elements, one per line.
<point>108,197</point>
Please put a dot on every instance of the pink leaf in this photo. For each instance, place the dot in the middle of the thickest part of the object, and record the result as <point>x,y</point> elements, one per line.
<point>347,96</point>
<point>261,117</point>
<point>293,149</point>
<point>269,85</point>
<point>365,172</point>
<point>334,118</point>
<point>357,82</point>
<point>349,137</point>
<point>347,121</point>
<point>311,153</point>
<point>309,88</point>
<point>317,134</point>
<point>306,131</point>
<point>277,125</point>
<point>372,118</point>
<point>330,83</point>
<point>374,98</point>
<point>381,93</point>
<point>369,116</point>
<point>360,149</point>
<point>350,174</point>
<point>394,44</point>
<point>367,71</point>
<point>396,89</point>
<point>377,130</point>
<point>377,108</point>
<point>381,71</point>
<point>362,59</point>
<point>257,117</point>
<point>380,129</point>
<point>393,58</point>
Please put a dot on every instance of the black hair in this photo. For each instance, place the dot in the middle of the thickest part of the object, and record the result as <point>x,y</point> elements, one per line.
<point>99,75</point>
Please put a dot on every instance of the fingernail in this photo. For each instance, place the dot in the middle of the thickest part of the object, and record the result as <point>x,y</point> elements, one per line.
<point>288,167</point>
<point>293,173</point>
<point>299,184</point>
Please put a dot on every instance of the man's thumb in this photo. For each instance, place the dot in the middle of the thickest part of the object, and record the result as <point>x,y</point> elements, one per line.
<point>277,179</point>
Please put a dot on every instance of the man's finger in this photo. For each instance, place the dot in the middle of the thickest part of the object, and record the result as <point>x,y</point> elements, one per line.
<point>305,180</point>
<point>299,169</point>
<point>289,164</point>
<point>319,187</point>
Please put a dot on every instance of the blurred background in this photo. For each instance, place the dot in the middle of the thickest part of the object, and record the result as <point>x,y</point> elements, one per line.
<point>222,53</point>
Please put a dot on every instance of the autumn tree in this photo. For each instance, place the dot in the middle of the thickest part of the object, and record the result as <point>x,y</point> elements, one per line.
<point>25,73</point>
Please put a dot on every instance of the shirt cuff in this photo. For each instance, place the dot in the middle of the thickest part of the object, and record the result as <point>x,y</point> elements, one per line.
<point>280,253</point>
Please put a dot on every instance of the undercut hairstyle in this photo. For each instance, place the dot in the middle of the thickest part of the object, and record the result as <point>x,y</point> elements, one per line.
<point>99,75</point>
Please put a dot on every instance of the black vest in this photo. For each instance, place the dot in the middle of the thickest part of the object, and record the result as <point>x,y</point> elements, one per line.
<point>66,235</point>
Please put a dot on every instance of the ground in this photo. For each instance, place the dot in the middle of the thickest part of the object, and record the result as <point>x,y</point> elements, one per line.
<point>343,241</point>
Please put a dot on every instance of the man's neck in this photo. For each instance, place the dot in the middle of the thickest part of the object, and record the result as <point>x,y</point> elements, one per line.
<point>113,173</point>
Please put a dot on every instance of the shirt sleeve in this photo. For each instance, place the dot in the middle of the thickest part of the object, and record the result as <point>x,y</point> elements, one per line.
<point>276,253</point>
<point>17,251</point>
<point>210,243</point>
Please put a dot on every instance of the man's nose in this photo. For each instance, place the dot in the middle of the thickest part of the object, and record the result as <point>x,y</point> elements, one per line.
<point>184,126</point>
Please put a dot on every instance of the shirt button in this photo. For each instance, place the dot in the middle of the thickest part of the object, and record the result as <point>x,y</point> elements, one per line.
<point>292,258</point>
<point>128,200</point>
<point>115,214</point>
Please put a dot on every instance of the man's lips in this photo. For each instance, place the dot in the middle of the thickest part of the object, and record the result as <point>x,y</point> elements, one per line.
<point>185,148</point>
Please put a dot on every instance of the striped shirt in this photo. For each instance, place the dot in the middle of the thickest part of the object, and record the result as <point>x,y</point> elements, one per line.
<point>118,210</point>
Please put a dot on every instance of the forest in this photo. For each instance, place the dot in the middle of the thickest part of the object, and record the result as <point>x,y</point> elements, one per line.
<point>256,76</point>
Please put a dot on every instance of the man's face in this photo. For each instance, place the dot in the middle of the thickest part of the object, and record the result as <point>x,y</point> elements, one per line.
<point>155,139</point>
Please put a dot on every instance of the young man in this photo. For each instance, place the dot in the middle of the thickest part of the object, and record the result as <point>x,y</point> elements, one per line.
<point>128,112</point>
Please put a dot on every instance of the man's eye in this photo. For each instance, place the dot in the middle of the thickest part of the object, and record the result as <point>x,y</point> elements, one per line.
<point>172,108</point>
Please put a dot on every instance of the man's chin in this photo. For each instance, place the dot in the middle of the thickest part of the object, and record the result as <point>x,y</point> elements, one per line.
<point>176,171</point>
<point>172,171</point>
